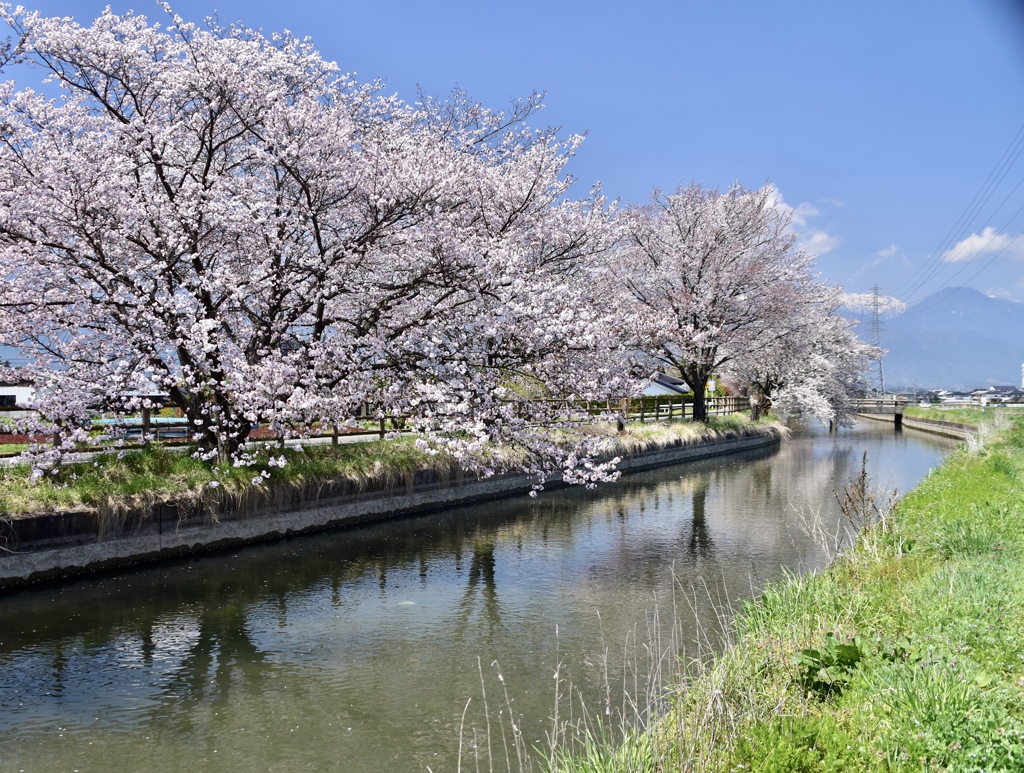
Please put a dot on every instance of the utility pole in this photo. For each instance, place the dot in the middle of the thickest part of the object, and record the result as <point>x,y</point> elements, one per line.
<point>876,335</point>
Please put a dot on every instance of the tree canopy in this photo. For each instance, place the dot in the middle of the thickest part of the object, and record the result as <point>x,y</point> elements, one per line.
<point>227,218</point>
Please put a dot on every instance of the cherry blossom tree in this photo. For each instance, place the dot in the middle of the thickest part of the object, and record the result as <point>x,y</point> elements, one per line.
<point>174,218</point>
<point>529,340</point>
<point>227,218</point>
<point>814,365</point>
<point>706,276</point>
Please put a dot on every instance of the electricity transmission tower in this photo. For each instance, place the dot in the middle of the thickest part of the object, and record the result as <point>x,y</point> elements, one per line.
<point>876,335</point>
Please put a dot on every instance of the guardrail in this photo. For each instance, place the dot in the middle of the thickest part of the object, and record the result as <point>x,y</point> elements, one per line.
<point>880,405</point>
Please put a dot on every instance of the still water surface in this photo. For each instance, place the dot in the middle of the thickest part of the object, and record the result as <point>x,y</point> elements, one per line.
<point>358,650</point>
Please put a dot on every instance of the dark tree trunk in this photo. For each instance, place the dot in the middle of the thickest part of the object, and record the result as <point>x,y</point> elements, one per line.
<point>215,422</point>
<point>700,405</point>
<point>759,406</point>
<point>696,377</point>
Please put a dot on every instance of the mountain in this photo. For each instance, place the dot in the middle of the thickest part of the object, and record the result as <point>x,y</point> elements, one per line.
<point>957,338</point>
<point>967,311</point>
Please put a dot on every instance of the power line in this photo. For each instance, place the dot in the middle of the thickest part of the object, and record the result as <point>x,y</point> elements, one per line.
<point>996,175</point>
<point>983,250</point>
<point>986,265</point>
<point>1002,162</point>
<point>978,253</point>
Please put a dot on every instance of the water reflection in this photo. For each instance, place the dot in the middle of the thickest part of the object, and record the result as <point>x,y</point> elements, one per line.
<point>358,650</point>
<point>700,540</point>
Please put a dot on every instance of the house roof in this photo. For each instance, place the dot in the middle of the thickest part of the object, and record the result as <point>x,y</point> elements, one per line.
<point>670,382</point>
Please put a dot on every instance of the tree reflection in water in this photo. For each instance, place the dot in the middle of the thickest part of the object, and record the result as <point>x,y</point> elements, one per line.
<point>700,538</point>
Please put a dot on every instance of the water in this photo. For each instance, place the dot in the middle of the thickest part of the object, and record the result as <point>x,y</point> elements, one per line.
<point>359,650</point>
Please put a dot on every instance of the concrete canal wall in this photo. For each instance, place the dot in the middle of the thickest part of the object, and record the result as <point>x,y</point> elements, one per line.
<point>64,545</point>
<point>950,429</point>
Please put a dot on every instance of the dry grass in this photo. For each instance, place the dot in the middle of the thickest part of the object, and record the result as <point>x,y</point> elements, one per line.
<point>639,438</point>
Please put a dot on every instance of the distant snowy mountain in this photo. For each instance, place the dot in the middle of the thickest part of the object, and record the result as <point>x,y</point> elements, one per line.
<point>957,338</point>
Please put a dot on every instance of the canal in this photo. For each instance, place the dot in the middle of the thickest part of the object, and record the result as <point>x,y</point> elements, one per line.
<point>389,647</point>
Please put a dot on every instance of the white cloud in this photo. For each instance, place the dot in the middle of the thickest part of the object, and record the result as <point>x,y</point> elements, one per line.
<point>866,267</point>
<point>988,242</point>
<point>882,256</point>
<point>816,241</point>
<point>803,211</point>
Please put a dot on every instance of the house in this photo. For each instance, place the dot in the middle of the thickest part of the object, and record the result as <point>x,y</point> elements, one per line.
<point>999,394</point>
<point>16,394</point>
<point>661,385</point>
<point>947,397</point>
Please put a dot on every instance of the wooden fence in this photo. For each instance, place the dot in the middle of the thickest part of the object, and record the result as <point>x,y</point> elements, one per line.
<point>667,408</point>
<point>642,409</point>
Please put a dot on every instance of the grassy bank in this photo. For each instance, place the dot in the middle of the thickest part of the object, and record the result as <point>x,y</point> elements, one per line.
<point>972,416</point>
<point>907,654</point>
<point>139,478</point>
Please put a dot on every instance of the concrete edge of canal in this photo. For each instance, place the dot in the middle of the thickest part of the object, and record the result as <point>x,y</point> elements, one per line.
<point>950,429</point>
<point>62,546</point>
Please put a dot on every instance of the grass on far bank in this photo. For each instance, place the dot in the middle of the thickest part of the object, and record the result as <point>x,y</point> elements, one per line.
<point>135,480</point>
<point>907,654</point>
<point>972,416</point>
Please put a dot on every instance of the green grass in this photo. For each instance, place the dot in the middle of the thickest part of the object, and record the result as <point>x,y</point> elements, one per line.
<point>139,478</point>
<point>907,654</point>
<point>972,416</point>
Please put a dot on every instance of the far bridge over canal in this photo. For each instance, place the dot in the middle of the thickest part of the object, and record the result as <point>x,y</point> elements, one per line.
<point>890,406</point>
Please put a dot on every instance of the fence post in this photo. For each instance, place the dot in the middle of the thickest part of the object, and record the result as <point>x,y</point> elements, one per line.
<point>382,428</point>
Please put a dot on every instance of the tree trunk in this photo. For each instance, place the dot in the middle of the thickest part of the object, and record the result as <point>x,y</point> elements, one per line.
<point>759,403</point>
<point>700,405</point>
<point>219,428</point>
<point>696,377</point>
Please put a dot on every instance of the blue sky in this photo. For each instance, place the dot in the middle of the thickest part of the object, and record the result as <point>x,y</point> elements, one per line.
<point>878,122</point>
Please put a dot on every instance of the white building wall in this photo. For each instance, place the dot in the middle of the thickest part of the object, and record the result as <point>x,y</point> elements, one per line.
<point>23,395</point>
